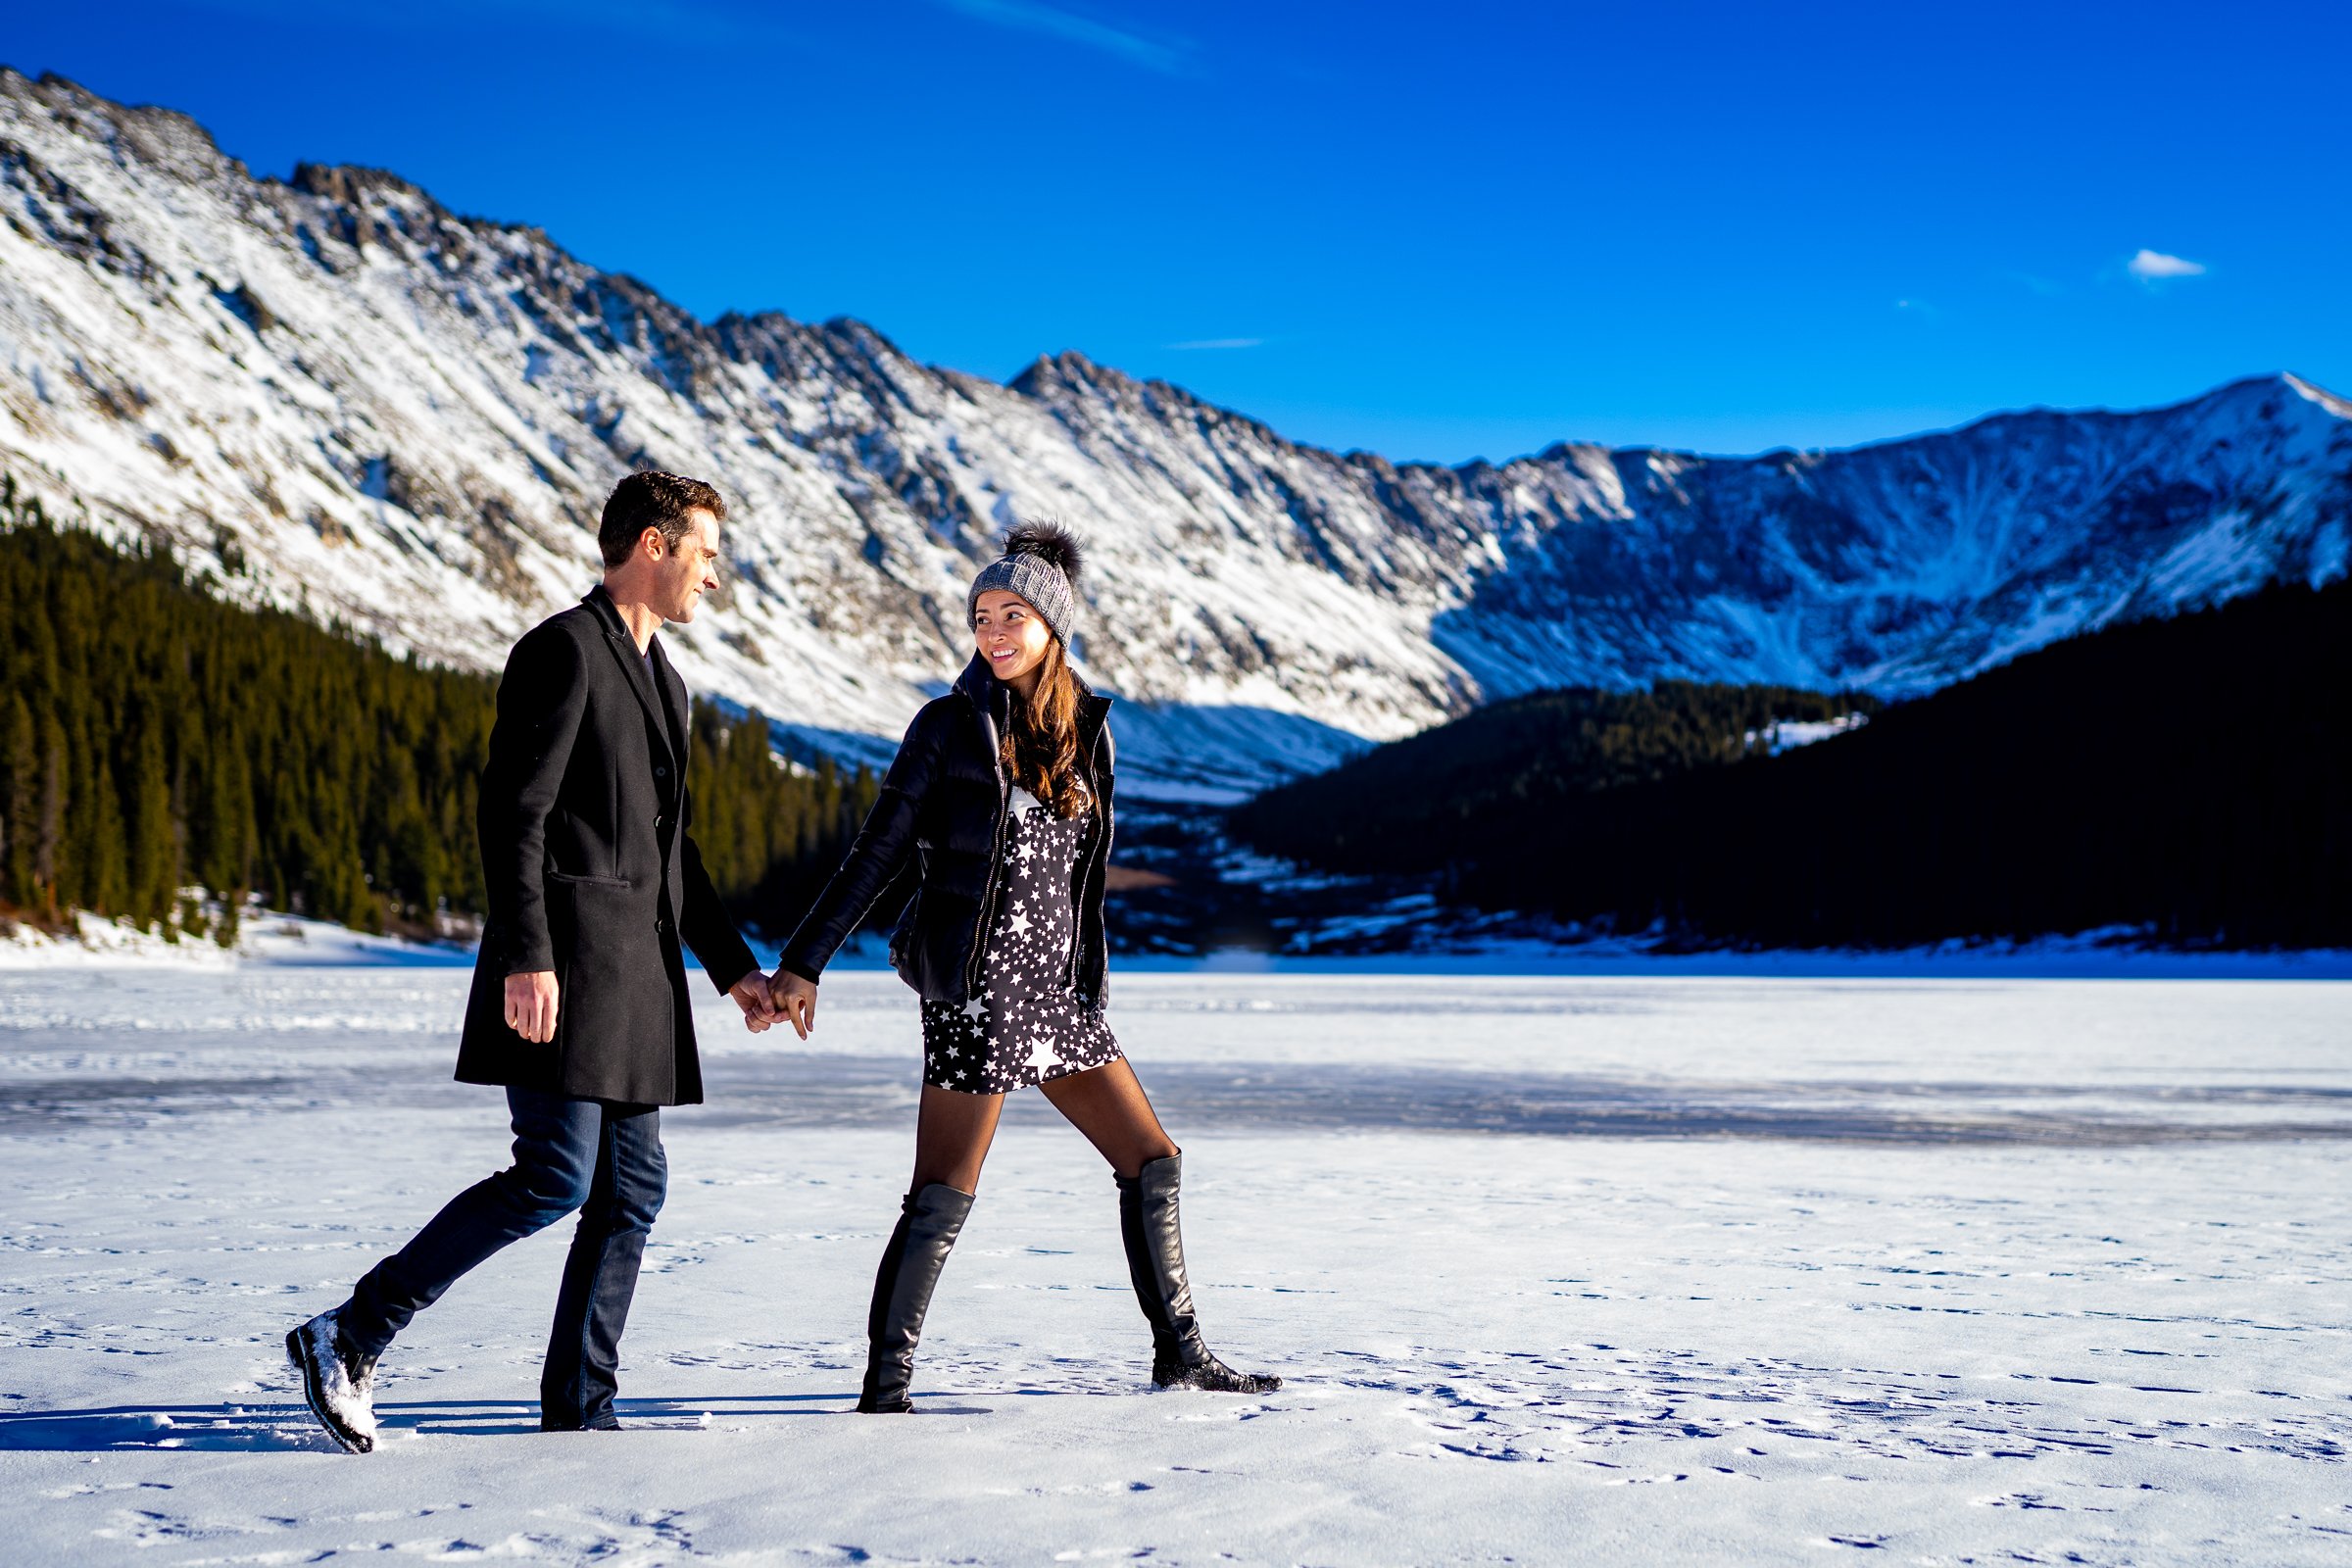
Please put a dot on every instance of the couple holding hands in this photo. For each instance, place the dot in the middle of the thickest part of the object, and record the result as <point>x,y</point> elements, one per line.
<point>1000,799</point>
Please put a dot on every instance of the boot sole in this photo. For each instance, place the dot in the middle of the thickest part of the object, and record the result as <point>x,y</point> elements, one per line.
<point>350,1441</point>
<point>1182,1384</point>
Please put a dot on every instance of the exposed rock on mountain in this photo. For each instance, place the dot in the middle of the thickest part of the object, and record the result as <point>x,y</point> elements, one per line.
<point>345,397</point>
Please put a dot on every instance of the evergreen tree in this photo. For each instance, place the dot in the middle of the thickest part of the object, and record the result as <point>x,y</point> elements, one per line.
<point>2190,777</point>
<point>153,869</point>
<point>152,734</point>
<point>49,837</point>
<point>20,801</point>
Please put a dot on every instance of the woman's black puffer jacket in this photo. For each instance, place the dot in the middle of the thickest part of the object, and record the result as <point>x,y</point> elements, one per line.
<point>943,811</point>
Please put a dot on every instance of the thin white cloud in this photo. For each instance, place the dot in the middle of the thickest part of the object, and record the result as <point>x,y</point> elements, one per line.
<point>1220,343</point>
<point>2149,266</point>
<point>1028,15</point>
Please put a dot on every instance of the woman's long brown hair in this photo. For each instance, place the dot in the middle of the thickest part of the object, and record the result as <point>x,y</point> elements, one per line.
<point>1040,744</point>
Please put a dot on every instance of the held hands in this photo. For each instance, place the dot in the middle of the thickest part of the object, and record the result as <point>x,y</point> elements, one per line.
<point>766,999</point>
<point>531,1000</point>
<point>751,994</point>
<point>531,1004</point>
<point>795,1001</point>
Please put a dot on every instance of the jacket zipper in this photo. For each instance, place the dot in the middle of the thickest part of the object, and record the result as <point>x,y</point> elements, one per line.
<point>996,853</point>
<point>1099,853</point>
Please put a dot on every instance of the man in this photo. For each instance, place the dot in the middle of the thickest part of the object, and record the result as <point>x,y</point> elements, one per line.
<point>579,1005</point>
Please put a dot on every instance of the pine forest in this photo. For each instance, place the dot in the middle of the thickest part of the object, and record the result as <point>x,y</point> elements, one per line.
<point>156,739</point>
<point>2186,779</point>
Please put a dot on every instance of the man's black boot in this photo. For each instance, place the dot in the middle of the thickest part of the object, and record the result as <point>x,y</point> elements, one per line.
<point>338,1383</point>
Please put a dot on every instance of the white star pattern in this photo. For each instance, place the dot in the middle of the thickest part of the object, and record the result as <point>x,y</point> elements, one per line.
<point>1025,1026</point>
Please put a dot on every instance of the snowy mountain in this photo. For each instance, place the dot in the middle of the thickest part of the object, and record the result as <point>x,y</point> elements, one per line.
<point>340,396</point>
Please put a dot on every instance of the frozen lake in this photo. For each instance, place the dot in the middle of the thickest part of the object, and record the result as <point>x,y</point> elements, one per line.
<point>1751,1270</point>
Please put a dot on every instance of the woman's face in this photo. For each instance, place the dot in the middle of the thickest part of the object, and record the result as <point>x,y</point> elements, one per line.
<point>1012,635</point>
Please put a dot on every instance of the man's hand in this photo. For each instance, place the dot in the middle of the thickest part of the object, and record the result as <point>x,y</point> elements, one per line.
<point>795,1001</point>
<point>751,994</point>
<point>531,1004</point>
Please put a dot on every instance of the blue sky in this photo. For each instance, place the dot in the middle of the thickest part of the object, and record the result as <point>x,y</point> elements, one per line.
<point>1435,232</point>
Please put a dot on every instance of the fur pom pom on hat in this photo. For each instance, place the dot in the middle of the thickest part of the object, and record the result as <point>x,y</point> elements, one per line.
<point>1040,563</point>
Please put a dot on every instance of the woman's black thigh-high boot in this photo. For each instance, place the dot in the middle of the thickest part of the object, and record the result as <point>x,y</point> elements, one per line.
<point>928,1223</point>
<point>1148,1223</point>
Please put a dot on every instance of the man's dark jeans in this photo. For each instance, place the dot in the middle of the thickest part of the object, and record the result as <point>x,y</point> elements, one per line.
<point>602,1159</point>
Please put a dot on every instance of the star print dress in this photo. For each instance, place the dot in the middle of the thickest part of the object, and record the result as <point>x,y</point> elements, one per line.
<point>1027,1024</point>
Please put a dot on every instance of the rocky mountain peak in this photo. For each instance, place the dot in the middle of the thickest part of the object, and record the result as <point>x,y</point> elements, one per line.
<point>333,395</point>
<point>350,185</point>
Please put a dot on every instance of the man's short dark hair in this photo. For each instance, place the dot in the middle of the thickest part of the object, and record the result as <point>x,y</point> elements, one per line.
<point>651,500</point>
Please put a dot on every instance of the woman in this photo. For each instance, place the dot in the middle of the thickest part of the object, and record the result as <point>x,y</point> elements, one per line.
<point>1001,794</point>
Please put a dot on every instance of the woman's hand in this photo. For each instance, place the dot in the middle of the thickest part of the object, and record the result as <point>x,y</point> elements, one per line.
<point>794,1000</point>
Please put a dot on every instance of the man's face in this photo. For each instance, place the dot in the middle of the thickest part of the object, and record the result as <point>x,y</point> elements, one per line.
<point>688,570</point>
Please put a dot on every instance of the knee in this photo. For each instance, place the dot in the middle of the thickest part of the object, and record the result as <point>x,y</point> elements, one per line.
<point>552,1189</point>
<point>966,1182</point>
<point>640,1182</point>
<point>637,1206</point>
<point>1130,1162</point>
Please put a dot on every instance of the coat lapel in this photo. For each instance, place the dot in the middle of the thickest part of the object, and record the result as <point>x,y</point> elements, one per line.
<point>673,698</point>
<point>632,668</point>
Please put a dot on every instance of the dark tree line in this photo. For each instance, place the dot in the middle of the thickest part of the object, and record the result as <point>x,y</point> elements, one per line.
<point>1434,799</point>
<point>770,836</point>
<point>152,737</point>
<point>2191,777</point>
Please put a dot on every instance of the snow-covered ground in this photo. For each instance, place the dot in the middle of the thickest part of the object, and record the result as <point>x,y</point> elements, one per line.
<point>1461,947</point>
<point>1787,734</point>
<point>1724,1269</point>
<point>264,937</point>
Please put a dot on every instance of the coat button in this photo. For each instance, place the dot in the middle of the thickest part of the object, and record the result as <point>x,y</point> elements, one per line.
<point>662,926</point>
<point>660,825</point>
<point>661,772</point>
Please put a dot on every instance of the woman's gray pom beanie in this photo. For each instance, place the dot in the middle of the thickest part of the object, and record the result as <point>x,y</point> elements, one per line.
<point>1040,563</point>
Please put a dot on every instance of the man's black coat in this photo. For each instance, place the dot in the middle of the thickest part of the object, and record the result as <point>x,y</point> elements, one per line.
<point>590,870</point>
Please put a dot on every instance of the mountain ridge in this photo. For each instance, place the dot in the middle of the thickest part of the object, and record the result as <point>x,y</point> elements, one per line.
<point>405,418</point>
<point>339,181</point>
